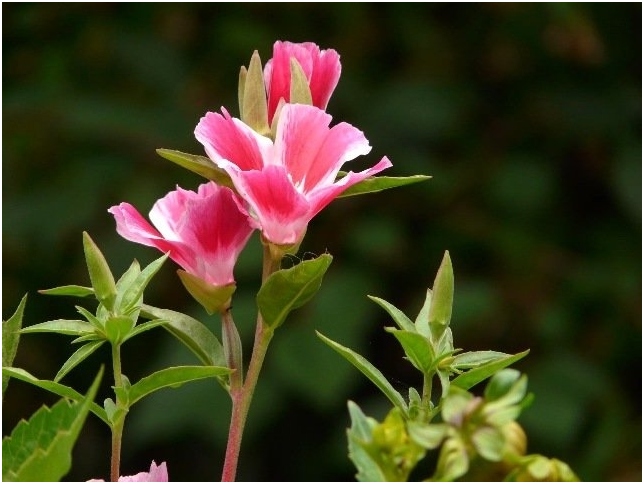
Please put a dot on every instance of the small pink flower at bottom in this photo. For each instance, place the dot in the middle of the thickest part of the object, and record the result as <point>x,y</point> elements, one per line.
<point>156,474</point>
<point>204,232</point>
<point>286,183</point>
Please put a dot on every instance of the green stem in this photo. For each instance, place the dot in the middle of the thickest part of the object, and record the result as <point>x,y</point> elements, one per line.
<point>427,389</point>
<point>242,396</point>
<point>117,426</point>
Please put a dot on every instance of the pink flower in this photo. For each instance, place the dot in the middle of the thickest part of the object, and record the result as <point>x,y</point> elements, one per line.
<point>321,67</point>
<point>156,474</point>
<point>204,231</point>
<point>285,183</point>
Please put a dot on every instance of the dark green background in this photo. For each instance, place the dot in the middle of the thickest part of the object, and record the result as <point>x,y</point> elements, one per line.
<point>528,116</point>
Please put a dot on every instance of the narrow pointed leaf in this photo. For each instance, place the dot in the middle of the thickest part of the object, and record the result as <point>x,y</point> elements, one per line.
<point>11,338</point>
<point>117,329</point>
<point>470,378</point>
<point>125,282</point>
<point>41,449</point>
<point>417,349</point>
<point>300,90</point>
<point>140,328</point>
<point>359,437</point>
<point>72,290</point>
<point>197,164</point>
<point>370,371</point>
<point>53,387</point>
<point>93,320</point>
<point>397,315</point>
<point>379,183</point>
<point>172,377</point>
<point>440,312</point>
<point>71,327</point>
<point>79,355</point>
<point>289,289</point>
<point>134,293</point>
<point>472,359</point>
<point>193,334</point>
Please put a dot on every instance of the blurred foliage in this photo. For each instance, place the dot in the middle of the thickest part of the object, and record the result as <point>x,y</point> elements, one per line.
<point>527,115</point>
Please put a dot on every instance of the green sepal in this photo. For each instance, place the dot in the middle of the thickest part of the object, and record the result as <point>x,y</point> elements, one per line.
<point>396,314</point>
<point>470,378</point>
<point>379,183</point>
<point>489,442</point>
<point>71,290</point>
<point>214,299</point>
<point>117,329</point>
<point>72,327</point>
<point>368,370</point>
<point>440,312</point>
<point>53,387</point>
<point>198,164</point>
<point>193,334</point>
<point>41,449</point>
<point>231,342</point>
<point>289,289</point>
<point>300,89</point>
<point>538,468</point>
<point>501,384</point>
<point>99,273</point>
<point>11,338</point>
<point>241,86</point>
<point>172,377</point>
<point>422,320</point>
<point>453,461</point>
<point>417,348</point>
<point>254,106</point>
<point>77,357</point>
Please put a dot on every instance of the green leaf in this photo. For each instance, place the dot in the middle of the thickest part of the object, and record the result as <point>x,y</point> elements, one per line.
<point>440,312</point>
<point>427,435</point>
<point>79,355</point>
<point>422,320</point>
<point>93,320</point>
<point>117,329</point>
<point>72,290</point>
<point>134,293</point>
<point>300,90</point>
<point>172,377</point>
<point>501,384</point>
<point>193,334</point>
<point>489,443</point>
<point>70,327</point>
<point>288,289</point>
<point>359,438</point>
<point>472,359</point>
<point>397,315</point>
<point>53,387</point>
<point>470,378</point>
<point>140,328</point>
<point>453,461</point>
<point>99,273</point>
<point>11,338</point>
<point>41,449</point>
<point>379,183</point>
<point>417,349</point>
<point>370,371</point>
<point>197,164</point>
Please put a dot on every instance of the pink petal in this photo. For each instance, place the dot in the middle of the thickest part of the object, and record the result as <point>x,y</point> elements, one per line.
<point>156,474</point>
<point>313,153</point>
<point>228,138</point>
<point>132,226</point>
<point>322,197</point>
<point>326,75</point>
<point>276,207</point>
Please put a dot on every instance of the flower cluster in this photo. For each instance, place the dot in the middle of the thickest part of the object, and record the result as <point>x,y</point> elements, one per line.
<point>280,177</point>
